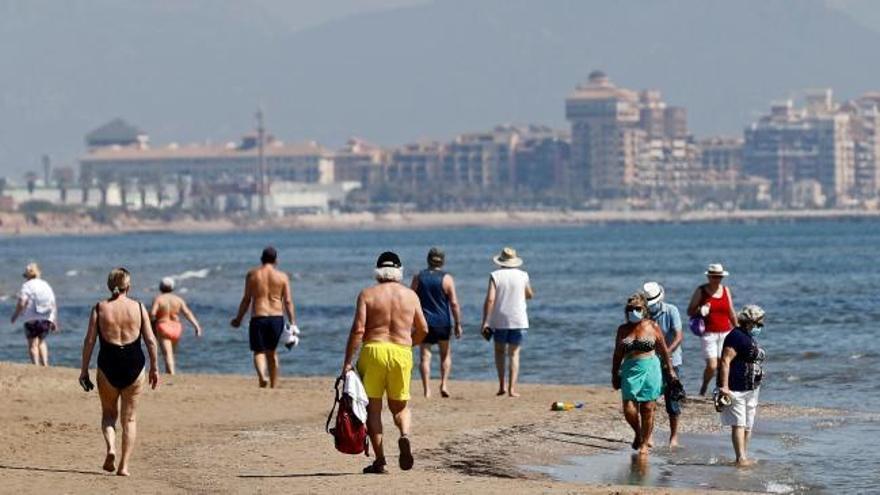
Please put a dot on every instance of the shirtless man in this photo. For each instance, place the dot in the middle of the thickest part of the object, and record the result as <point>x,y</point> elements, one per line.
<point>267,294</point>
<point>389,322</point>
<point>165,315</point>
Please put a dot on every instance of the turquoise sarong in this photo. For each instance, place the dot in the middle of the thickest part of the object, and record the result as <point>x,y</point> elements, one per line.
<point>641,379</point>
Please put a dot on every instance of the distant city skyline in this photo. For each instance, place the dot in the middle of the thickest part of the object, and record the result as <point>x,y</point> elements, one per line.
<point>106,70</point>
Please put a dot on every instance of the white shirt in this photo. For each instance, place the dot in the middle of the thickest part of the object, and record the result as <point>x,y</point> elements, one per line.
<point>39,300</point>
<point>509,311</point>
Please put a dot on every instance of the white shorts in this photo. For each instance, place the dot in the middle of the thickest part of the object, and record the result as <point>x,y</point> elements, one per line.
<point>713,344</point>
<point>742,409</point>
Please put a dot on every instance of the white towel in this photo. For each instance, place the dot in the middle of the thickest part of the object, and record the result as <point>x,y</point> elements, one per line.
<point>354,388</point>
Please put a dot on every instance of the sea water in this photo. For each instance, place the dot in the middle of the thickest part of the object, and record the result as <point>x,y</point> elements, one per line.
<point>817,280</point>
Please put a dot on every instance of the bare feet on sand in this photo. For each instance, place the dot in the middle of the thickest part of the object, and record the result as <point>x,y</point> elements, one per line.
<point>122,471</point>
<point>110,462</point>
<point>501,392</point>
<point>744,463</point>
<point>637,442</point>
<point>673,442</point>
<point>444,394</point>
<point>513,394</point>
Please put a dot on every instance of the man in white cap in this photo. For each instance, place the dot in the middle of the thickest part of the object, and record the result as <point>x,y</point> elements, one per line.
<point>668,319</point>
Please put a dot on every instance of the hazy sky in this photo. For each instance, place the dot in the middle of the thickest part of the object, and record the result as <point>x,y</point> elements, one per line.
<point>189,70</point>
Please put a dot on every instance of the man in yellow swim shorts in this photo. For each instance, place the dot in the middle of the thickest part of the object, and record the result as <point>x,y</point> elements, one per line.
<point>388,321</point>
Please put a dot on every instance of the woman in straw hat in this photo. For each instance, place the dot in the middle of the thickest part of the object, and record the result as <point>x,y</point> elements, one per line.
<point>505,318</point>
<point>713,302</point>
<point>36,307</point>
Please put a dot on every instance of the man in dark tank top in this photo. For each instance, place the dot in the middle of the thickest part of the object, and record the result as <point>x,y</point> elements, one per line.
<point>436,290</point>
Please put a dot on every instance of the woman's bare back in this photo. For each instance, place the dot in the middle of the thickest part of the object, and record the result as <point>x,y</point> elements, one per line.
<point>119,320</point>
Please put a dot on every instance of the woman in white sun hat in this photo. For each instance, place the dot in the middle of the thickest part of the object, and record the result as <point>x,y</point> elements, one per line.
<point>713,302</point>
<point>504,315</point>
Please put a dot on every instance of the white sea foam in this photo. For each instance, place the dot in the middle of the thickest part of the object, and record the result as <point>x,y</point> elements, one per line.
<point>71,273</point>
<point>203,273</point>
<point>856,356</point>
<point>777,487</point>
<point>793,378</point>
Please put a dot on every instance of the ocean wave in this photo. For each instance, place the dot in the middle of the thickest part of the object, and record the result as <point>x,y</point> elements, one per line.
<point>203,273</point>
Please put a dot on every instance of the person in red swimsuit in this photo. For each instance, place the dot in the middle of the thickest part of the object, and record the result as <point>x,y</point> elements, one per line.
<point>713,302</point>
<point>165,315</point>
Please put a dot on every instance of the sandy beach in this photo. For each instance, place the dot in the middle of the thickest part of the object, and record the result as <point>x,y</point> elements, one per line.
<point>221,434</point>
<point>16,224</point>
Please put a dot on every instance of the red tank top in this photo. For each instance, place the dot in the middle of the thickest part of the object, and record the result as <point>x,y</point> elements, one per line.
<point>718,320</point>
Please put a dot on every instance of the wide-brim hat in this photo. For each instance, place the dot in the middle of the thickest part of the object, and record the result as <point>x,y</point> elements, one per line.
<point>507,258</point>
<point>716,270</point>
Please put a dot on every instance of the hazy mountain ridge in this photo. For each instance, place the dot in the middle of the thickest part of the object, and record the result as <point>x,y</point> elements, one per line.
<point>188,72</point>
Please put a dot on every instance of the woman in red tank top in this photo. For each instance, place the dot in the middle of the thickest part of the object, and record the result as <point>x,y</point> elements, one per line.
<point>713,302</point>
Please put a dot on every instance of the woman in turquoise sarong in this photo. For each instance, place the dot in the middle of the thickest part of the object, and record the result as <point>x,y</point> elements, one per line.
<point>636,370</point>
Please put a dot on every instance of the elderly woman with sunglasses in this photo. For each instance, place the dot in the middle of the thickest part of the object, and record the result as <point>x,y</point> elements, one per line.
<point>636,371</point>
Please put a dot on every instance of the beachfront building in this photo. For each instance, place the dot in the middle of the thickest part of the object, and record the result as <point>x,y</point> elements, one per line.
<point>797,148</point>
<point>606,142</point>
<point>359,161</point>
<point>865,117</point>
<point>119,155</point>
<point>627,147</point>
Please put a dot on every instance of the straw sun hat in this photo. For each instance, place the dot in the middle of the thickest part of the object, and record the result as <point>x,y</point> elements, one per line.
<point>508,258</point>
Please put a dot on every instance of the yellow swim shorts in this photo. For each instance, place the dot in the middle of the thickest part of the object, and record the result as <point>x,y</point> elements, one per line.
<point>386,367</point>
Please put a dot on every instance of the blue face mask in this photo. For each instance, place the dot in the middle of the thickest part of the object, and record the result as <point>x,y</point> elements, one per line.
<point>655,308</point>
<point>634,316</point>
<point>756,331</point>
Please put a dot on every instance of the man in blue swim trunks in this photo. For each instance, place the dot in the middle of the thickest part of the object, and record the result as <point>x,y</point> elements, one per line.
<point>268,296</point>
<point>436,291</point>
<point>668,319</point>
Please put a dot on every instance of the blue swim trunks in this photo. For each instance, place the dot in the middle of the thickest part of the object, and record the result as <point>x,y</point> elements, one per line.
<point>513,336</point>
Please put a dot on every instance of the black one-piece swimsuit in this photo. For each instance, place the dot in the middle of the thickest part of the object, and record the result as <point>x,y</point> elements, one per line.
<point>121,364</point>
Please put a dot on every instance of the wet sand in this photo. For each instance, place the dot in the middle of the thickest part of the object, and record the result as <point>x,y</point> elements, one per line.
<point>221,434</point>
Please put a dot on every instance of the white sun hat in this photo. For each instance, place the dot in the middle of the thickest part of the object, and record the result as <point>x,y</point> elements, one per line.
<point>508,258</point>
<point>653,292</point>
<point>716,270</point>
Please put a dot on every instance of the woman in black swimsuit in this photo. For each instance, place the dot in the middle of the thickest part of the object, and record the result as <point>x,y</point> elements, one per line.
<point>120,324</point>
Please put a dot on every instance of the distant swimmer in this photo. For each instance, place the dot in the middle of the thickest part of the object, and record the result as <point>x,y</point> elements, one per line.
<point>713,302</point>
<point>636,371</point>
<point>388,321</point>
<point>667,317</point>
<point>436,291</point>
<point>36,307</point>
<point>165,314</point>
<point>268,296</point>
<point>505,317</point>
<point>740,374</point>
<point>119,323</point>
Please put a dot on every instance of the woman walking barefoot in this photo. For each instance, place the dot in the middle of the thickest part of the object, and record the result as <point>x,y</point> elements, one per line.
<point>165,314</point>
<point>119,323</point>
<point>635,370</point>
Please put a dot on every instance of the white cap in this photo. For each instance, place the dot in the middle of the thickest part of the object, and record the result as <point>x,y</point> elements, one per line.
<point>167,282</point>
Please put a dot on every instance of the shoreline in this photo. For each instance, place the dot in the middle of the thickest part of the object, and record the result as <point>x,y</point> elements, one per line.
<point>52,224</point>
<point>241,438</point>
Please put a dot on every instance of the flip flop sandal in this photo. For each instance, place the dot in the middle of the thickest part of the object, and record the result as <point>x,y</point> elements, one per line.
<point>406,457</point>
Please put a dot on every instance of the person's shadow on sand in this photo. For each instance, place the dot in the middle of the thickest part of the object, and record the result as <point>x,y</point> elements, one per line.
<point>52,470</point>
<point>299,475</point>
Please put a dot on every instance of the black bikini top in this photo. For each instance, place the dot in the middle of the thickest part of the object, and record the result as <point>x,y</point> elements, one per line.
<point>637,345</point>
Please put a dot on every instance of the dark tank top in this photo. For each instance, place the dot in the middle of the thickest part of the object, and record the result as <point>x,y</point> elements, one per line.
<point>435,304</point>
